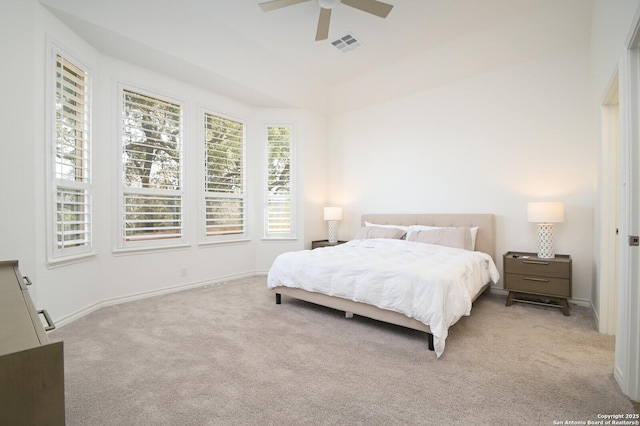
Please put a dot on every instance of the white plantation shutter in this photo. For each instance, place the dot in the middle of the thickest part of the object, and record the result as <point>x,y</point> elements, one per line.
<point>152,194</point>
<point>152,216</point>
<point>72,227</point>
<point>224,181</point>
<point>279,196</point>
<point>73,219</point>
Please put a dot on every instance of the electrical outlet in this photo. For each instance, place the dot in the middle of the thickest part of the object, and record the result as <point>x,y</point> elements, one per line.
<point>183,271</point>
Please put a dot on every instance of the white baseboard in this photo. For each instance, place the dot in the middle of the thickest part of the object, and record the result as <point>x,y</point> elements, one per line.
<point>60,322</point>
<point>499,291</point>
<point>167,290</point>
<point>579,302</point>
<point>595,316</point>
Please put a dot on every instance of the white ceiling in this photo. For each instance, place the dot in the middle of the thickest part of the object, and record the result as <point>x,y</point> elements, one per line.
<point>271,58</point>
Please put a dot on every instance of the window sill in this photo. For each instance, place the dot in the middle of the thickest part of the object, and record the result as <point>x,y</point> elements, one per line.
<point>224,242</point>
<point>60,262</point>
<point>149,249</point>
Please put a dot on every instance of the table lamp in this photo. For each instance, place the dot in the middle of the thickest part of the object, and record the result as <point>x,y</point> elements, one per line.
<point>333,215</point>
<point>545,214</point>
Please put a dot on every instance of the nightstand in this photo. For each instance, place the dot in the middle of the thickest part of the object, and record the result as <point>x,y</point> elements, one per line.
<point>530,279</point>
<point>324,243</point>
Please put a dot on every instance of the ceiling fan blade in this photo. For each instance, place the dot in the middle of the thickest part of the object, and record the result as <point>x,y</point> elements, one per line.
<point>277,4</point>
<point>373,7</point>
<point>322,32</point>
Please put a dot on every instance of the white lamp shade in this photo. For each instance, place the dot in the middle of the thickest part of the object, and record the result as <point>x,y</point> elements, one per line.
<point>333,213</point>
<point>545,212</point>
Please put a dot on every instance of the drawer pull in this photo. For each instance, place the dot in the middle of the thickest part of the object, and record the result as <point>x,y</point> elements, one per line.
<point>543,280</point>
<point>535,262</point>
<point>50,324</point>
<point>27,280</point>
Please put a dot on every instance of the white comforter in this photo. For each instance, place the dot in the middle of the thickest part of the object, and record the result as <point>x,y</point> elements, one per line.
<point>433,284</point>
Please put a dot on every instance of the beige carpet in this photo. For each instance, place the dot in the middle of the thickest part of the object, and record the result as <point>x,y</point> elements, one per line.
<point>228,355</point>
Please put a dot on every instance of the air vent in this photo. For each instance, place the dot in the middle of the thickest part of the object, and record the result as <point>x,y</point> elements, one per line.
<point>346,43</point>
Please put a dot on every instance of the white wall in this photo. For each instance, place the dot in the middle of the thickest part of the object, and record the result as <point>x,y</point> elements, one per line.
<point>557,26</point>
<point>17,148</point>
<point>611,24</point>
<point>73,289</point>
<point>485,144</point>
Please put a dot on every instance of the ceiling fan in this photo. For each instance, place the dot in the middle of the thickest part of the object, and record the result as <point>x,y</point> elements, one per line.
<point>373,7</point>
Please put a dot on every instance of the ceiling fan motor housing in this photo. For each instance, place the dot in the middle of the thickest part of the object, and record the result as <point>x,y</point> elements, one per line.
<point>328,4</point>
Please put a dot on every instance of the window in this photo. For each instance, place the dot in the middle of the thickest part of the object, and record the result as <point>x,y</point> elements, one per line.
<point>224,179</point>
<point>71,160</point>
<point>279,206</point>
<point>151,188</point>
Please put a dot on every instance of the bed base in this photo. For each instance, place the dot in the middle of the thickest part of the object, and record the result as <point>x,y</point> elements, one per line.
<point>349,307</point>
<point>485,242</point>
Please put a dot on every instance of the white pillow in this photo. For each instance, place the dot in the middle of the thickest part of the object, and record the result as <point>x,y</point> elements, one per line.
<point>379,232</point>
<point>416,228</point>
<point>404,228</point>
<point>451,237</point>
<point>474,234</point>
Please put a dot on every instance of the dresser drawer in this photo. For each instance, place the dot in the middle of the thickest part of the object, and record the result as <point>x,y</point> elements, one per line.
<point>31,366</point>
<point>538,267</point>
<point>549,286</point>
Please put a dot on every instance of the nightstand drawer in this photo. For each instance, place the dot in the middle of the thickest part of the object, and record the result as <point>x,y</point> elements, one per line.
<point>538,285</point>
<point>538,267</point>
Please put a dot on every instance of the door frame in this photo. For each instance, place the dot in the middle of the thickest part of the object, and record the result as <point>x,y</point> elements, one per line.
<point>627,352</point>
<point>609,208</point>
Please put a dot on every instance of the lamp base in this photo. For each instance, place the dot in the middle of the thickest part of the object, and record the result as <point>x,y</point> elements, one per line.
<point>333,227</point>
<point>546,249</point>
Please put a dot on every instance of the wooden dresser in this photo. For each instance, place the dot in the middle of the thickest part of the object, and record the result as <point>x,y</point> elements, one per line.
<point>31,366</point>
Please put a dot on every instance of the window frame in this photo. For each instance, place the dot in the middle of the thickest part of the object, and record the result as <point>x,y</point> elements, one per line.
<point>55,184</point>
<point>121,244</point>
<point>293,210</point>
<point>204,194</point>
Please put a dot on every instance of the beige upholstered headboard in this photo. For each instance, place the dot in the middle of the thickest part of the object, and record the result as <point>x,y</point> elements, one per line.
<point>485,240</point>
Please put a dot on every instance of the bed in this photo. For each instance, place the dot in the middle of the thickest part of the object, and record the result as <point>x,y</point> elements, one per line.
<point>406,281</point>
